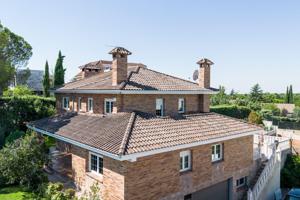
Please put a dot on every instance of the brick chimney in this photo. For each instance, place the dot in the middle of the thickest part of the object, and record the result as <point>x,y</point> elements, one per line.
<point>119,65</point>
<point>204,72</point>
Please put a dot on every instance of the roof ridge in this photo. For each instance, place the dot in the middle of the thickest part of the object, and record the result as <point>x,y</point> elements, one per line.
<point>129,76</point>
<point>127,134</point>
<point>171,76</point>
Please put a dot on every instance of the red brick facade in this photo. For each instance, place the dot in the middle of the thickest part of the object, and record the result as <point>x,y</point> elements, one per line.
<point>158,177</point>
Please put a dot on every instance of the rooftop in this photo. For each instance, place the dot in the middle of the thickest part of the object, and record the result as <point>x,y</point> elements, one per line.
<point>136,132</point>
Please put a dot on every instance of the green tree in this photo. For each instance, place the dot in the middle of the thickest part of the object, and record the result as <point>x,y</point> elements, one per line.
<point>46,81</point>
<point>20,90</point>
<point>291,95</point>
<point>14,54</point>
<point>254,118</point>
<point>256,93</point>
<point>287,95</point>
<point>59,71</point>
<point>22,162</point>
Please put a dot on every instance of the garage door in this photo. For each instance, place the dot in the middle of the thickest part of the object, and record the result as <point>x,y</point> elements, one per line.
<point>219,191</point>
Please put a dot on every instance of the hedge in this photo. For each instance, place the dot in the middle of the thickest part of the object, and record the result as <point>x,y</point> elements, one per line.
<point>240,112</point>
<point>17,110</point>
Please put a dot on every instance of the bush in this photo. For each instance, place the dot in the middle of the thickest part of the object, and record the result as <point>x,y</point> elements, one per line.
<point>240,112</point>
<point>13,136</point>
<point>290,174</point>
<point>17,110</point>
<point>55,191</point>
<point>19,90</point>
<point>254,118</point>
<point>22,162</point>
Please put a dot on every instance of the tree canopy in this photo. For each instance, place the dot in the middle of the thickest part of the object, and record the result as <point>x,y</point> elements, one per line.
<point>46,81</point>
<point>14,53</point>
<point>59,71</point>
<point>256,93</point>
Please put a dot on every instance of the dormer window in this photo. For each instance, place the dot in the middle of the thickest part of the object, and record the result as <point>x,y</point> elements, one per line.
<point>181,105</point>
<point>66,103</point>
<point>159,107</point>
<point>90,105</point>
<point>109,105</point>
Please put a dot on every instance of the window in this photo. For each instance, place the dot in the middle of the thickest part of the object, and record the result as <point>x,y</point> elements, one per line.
<point>90,104</point>
<point>241,182</point>
<point>181,105</point>
<point>109,105</point>
<point>96,163</point>
<point>185,161</point>
<point>66,105</point>
<point>216,153</point>
<point>79,104</point>
<point>188,197</point>
<point>159,107</point>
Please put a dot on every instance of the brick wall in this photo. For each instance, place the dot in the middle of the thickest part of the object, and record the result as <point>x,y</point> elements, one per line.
<point>144,103</point>
<point>158,177</point>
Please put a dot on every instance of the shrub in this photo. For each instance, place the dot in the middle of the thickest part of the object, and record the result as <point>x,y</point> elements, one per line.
<point>17,110</point>
<point>240,112</point>
<point>254,118</point>
<point>19,90</point>
<point>290,174</point>
<point>297,112</point>
<point>55,191</point>
<point>22,161</point>
<point>13,136</point>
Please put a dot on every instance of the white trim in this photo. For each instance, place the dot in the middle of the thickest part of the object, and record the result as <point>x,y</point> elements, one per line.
<point>110,100</point>
<point>181,99</point>
<point>78,91</point>
<point>90,159</point>
<point>213,156</point>
<point>92,106</point>
<point>63,103</point>
<point>133,157</point>
<point>182,155</point>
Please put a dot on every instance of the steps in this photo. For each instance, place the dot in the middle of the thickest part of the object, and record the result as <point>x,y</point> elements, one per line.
<point>258,173</point>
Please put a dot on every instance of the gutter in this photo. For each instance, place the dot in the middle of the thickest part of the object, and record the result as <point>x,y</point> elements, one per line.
<point>133,157</point>
<point>79,91</point>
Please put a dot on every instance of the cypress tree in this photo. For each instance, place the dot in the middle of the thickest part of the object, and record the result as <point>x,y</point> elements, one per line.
<point>59,71</point>
<point>291,95</point>
<point>287,95</point>
<point>46,81</point>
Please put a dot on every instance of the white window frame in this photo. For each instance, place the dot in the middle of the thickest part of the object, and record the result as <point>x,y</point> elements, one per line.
<point>90,107</point>
<point>110,101</point>
<point>183,155</point>
<point>68,103</point>
<point>214,154</point>
<point>162,106</point>
<point>79,107</point>
<point>181,100</point>
<point>238,182</point>
<point>90,164</point>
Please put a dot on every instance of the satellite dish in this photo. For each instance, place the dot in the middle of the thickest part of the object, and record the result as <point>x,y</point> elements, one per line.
<point>195,75</point>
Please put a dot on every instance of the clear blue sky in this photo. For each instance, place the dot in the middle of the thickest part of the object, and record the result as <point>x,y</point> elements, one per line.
<point>249,41</point>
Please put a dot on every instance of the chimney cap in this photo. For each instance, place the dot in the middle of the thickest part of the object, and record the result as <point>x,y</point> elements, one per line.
<point>120,50</point>
<point>205,61</point>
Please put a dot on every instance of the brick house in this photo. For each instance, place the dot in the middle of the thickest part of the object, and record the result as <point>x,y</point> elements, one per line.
<point>142,134</point>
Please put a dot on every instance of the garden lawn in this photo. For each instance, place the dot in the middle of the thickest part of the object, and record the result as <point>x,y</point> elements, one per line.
<point>14,193</point>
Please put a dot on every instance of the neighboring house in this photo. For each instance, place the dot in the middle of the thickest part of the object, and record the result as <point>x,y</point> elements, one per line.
<point>286,108</point>
<point>142,134</point>
<point>34,81</point>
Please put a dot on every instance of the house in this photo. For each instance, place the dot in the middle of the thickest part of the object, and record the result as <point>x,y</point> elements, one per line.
<point>142,134</point>
<point>34,81</point>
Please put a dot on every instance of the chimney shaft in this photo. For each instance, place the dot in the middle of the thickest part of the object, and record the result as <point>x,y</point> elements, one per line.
<point>119,65</point>
<point>204,73</point>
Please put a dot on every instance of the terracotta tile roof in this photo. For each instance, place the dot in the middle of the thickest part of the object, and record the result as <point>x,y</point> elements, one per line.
<point>139,78</point>
<point>128,133</point>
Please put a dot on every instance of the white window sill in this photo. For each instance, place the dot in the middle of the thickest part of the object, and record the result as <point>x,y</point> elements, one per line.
<point>95,175</point>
